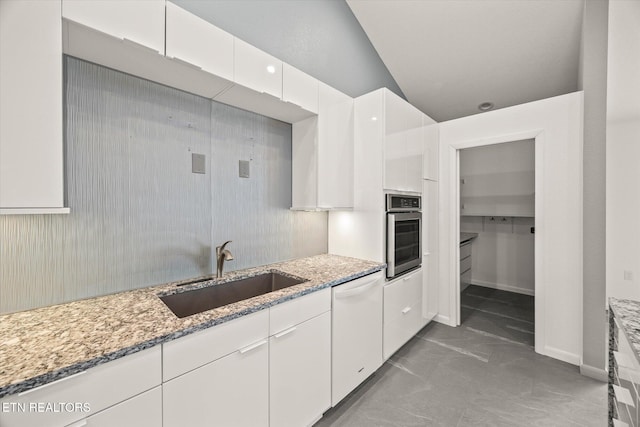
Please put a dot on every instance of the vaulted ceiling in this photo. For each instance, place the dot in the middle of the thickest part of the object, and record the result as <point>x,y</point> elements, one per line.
<point>449,56</point>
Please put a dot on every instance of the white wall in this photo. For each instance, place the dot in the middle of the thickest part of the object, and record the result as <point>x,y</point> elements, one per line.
<point>623,150</point>
<point>502,256</point>
<point>556,125</point>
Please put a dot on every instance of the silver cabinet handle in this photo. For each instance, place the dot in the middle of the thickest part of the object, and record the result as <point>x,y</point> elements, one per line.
<point>285,332</point>
<point>52,383</point>
<point>252,346</point>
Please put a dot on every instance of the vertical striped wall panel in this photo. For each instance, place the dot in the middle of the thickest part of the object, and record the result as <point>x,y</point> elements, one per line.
<point>139,216</point>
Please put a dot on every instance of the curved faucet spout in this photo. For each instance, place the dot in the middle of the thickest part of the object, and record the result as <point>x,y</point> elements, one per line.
<point>222,255</point>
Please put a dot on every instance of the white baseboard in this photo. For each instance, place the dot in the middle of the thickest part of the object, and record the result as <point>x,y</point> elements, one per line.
<point>595,373</point>
<point>563,355</point>
<point>503,287</point>
<point>446,320</point>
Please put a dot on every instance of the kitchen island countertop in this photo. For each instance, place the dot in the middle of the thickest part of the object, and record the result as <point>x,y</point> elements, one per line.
<point>627,313</point>
<point>46,344</point>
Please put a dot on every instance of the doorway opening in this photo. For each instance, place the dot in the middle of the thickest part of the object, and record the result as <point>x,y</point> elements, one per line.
<point>497,245</point>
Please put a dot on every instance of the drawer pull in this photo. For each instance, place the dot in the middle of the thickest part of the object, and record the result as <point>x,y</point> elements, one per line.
<point>406,310</point>
<point>52,383</point>
<point>252,347</point>
<point>286,332</point>
<point>623,395</point>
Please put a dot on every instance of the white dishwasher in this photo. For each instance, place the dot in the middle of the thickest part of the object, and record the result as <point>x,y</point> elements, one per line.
<point>356,333</point>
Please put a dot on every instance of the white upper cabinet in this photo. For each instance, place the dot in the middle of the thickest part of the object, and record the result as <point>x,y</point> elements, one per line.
<point>322,154</point>
<point>257,70</point>
<point>258,87</point>
<point>31,145</point>
<point>299,88</point>
<point>403,145</point>
<point>137,21</point>
<point>431,151</point>
<point>197,42</point>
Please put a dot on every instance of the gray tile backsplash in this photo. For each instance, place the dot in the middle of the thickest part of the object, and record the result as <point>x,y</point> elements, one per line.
<point>139,215</point>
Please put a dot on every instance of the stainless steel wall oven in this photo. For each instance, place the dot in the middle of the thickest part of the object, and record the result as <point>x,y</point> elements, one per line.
<point>404,233</point>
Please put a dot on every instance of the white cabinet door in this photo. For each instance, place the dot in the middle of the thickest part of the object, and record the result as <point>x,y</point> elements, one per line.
<point>31,150</point>
<point>402,311</point>
<point>430,250</point>
<point>195,41</point>
<point>138,21</point>
<point>300,373</point>
<point>322,154</point>
<point>256,69</point>
<point>403,147</point>
<point>232,391</point>
<point>144,410</point>
<point>335,149</point>
<point>414,149</point>
<point>299,88</point>
<point>431,142</point>
<point>356,333</point>
<point>395,143</point>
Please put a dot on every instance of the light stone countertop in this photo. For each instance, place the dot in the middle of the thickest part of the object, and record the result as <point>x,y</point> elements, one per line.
<point>627,313</point>
<point>46,344</point>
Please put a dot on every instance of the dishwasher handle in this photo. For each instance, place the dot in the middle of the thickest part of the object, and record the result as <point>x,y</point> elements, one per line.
<point>347,293</point>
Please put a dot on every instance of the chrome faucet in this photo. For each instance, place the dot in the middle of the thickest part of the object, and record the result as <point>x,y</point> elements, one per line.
<point>222,255</point>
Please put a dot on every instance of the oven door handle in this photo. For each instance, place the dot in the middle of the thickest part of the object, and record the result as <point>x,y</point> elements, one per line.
<point>391,244</point>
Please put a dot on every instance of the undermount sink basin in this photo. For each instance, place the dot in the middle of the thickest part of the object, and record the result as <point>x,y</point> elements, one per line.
<point>198,300</point>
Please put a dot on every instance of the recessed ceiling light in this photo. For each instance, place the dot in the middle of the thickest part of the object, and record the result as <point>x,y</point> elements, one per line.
<point>374,118</point>
<point>271,69</point>
<point>485,106</point>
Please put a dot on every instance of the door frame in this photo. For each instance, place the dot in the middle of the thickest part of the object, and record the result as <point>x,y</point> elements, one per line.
<point>453,158</point>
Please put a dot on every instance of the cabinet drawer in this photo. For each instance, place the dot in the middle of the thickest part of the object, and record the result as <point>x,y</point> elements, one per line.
<point>99,387</point>
<point>400,295</point>
<point>144,410</point>
<point>465,265</point>
<point>189,352</point>
<point>401,329</point>
<point>291,313</point>
<point>465,250</point>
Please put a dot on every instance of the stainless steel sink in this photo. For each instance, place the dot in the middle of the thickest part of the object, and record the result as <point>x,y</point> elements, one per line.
<point>198,300</point>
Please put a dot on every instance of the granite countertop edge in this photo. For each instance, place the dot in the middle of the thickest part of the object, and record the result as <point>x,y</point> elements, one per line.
<point>159,290</point>
<point>628,314</point>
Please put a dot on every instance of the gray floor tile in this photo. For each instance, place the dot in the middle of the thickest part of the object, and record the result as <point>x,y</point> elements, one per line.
<point>483,373</point>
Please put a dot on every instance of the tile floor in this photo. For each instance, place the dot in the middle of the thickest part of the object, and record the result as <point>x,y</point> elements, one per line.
<point>483,373</point>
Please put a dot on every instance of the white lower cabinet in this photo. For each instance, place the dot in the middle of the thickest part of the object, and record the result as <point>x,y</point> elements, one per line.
<point>282,378</point>
<point>232,391</point>
<point>85,394</point>
<point>402,311</point>
<point>143,410</point>
<point>300,373</point>
<point>356,333</point>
